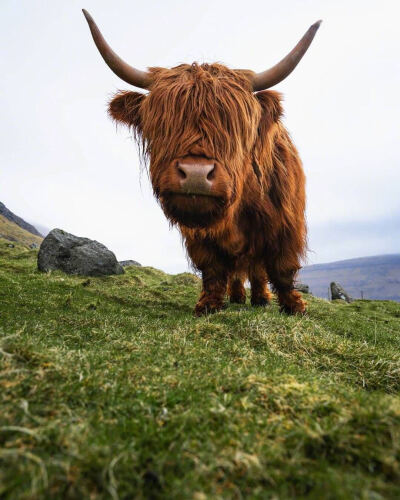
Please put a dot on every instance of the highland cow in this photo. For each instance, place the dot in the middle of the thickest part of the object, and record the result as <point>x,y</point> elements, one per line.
<point>224,170</point>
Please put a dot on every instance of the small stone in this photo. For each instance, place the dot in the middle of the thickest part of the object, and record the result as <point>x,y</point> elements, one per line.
<point>339,293</point>
<point>126,263</point>
<point>301,287</point>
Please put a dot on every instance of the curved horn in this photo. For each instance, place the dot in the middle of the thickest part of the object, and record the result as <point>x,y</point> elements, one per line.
<point>284,67</point>
<point>121,68</point>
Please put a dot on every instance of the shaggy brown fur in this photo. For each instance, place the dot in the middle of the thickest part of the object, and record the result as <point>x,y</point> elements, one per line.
<point>253,226</point>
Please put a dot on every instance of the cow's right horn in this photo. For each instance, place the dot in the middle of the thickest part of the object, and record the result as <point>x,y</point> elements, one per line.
<point>126,72</point>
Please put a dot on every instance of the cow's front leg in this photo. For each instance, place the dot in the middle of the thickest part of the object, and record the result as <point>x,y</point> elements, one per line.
<point>291,302</point>
<point>282,277</point>
<point>214,289</point>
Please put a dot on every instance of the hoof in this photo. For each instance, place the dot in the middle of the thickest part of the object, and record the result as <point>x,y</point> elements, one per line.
<point>237,299</point>
<point>292,303</point>
<point>295,308</point>
<point>204,308</point>
<point>260,302</point>
<point>291,312</point>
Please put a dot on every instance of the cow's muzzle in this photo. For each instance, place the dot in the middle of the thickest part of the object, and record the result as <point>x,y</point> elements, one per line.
<point>196,178</point>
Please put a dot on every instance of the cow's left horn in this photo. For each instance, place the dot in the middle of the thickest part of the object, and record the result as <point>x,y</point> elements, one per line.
<point>281,70</point>
<point>121,68</point>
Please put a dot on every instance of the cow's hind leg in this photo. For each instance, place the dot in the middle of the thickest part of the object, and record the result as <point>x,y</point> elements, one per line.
<point>236,290</point>
<point>260,294</point>
<point>282,276</point>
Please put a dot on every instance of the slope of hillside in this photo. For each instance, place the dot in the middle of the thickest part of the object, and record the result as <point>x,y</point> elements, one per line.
<point>5,212</point>
<point>377,277</point>
<point>10,231</point>
<point>110,388</point>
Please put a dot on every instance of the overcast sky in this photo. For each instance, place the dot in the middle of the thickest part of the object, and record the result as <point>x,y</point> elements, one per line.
<point>64,164</point>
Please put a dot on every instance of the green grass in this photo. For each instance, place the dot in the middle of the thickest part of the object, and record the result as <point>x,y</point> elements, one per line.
<point>110,388</point>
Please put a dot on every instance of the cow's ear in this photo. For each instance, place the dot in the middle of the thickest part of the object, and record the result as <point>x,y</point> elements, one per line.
<point>124,107</point>
<point>271,107</point>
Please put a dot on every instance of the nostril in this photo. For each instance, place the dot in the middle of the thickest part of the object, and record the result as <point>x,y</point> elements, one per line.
<point>211,174</point>
<point>181,173</point>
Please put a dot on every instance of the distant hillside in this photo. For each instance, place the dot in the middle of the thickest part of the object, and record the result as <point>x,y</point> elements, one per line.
<point>377,277</point>
<point>5,212</point>
<point>43,230</point>
<point>10,231</point>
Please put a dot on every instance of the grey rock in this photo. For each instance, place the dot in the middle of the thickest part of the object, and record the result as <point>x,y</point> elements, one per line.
<point>301,287</point>
<point>75,255</point>
<point>33,245</point>
<point>10,245</point>
<point>338,292</point>
<point>126,263</point>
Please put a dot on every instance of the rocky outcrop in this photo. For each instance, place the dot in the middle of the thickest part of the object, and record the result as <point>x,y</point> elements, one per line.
<point>75,255</point>
<point>338,292</point>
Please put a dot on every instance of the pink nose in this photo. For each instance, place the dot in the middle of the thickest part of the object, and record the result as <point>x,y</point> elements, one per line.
<point>196,178</point>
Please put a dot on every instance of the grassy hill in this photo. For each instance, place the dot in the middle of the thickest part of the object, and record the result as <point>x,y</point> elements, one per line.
<point>110,388</point>
<point>377,277</point>
<point>5,212</point>
<point>12,232</point>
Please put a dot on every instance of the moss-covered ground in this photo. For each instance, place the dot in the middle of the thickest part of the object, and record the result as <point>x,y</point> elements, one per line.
<point>110,388</point>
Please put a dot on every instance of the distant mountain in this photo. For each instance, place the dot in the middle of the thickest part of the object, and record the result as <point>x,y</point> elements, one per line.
<point>5,212</point>
<point>43,230</point>
<point>374,277</point>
